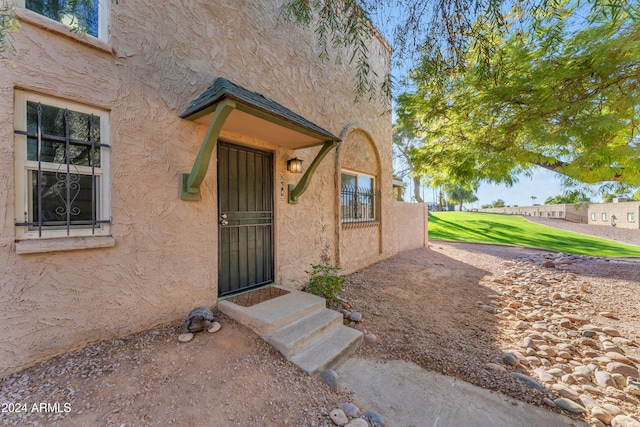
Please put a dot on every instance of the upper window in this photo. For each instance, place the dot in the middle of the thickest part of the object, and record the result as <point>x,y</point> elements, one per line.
<point>62,168</point>
<point>359,199</point>
<point>87,16</point>
<point>594,216</point>
<point>605,216</point>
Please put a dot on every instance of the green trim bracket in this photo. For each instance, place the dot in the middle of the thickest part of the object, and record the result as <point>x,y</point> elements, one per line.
<point>190,183</point>
<point>295,191</point>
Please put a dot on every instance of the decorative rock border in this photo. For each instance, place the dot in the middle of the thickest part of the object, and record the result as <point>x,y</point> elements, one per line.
<point>558,348</point>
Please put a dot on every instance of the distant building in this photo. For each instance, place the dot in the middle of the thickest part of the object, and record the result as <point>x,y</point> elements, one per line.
<point>620,214</point>
<point>568,211</point>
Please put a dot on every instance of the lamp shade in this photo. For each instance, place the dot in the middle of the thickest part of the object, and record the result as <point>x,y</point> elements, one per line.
<point>294,165</point>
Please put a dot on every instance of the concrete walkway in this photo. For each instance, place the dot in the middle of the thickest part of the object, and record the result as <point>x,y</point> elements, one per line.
<point>406,395</point>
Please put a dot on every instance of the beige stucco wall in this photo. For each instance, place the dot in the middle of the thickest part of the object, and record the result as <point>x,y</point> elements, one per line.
<point>360,244</point>
<point>410,225</point>
<point>160,56</point>
<point>621,212</point>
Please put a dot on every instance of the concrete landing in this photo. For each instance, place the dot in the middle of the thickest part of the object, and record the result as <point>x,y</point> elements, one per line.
<point>300,326</point>
<point>406,395</point>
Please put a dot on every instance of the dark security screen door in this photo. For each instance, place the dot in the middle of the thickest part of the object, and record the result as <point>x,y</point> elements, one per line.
<point>245,215</point>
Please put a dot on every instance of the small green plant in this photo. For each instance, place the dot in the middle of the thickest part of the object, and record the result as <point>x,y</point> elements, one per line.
<point>325,282</point>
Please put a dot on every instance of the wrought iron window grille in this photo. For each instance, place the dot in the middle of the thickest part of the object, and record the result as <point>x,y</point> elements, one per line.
<point>359,207</point>
<point>68,178</point>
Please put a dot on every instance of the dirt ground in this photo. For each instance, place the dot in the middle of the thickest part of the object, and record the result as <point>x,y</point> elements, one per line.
<point>422,305</point>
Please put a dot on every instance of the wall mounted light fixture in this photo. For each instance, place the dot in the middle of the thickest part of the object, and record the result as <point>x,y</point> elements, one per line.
<point>294,165</point>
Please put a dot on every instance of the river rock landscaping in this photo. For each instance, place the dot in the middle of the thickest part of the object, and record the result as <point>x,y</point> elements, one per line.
<point>554,330</point>
<point>563,341</point>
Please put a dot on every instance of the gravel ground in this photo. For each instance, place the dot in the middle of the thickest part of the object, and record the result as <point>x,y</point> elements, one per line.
<point>229,378</point>
<point>483,312</point>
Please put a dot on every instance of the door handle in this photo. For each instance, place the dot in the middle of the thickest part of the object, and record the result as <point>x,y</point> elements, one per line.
<point>223,219</point>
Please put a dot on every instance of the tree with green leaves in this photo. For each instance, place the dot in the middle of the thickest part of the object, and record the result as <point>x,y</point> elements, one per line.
<point>567,198</point>
<point>458,195</point>
<point>565,102</point>
<point>440,32</point>
<point>8,24</point>
<point>403,142</point>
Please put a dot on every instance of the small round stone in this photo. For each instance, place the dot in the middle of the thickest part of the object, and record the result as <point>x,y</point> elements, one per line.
<point>530,382</point>
<point>570,405</point>
<point>370,339</point>
<point>510,359</point>
<point>490,309</point>
<point>624,421</point>
<point>621,368</point>
<point>350,409</point>
<point>611,332</point>
<point>330,378</point>
<point>601,414</point>
<point>607,314</point>
<point>495,367</point>
<point>373,419</point>
<point>185,337</point>
<point>338,417</point>
<point>215,327</point>
<point>354,316</point>
<point>596,422</point>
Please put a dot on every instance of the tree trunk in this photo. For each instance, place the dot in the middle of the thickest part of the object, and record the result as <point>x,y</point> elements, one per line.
<point>416,189</point>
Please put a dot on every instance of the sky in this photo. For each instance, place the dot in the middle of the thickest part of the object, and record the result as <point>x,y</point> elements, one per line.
<point>542,184</point>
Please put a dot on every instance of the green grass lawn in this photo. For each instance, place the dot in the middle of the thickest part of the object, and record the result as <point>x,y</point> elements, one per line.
<point>514,230</point>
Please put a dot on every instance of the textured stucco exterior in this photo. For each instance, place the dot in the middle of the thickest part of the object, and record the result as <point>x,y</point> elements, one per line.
<point>409,233</point>
<point>160,259</point>
<point>619,214</point>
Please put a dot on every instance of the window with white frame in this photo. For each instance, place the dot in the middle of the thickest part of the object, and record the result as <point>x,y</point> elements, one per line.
<point>89,17</point>
<point>359,198</point>
<point>605,216</point>
<point>631,217</point>
<point>62,168</point>
<point>594,216</point>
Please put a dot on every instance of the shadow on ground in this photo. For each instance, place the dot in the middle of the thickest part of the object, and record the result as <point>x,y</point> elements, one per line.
<point>424,306</point>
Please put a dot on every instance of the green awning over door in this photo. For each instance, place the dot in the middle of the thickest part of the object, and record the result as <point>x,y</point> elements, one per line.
<point>227,106</point>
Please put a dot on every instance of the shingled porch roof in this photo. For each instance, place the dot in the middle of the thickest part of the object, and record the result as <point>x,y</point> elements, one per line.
<point>255,115</point>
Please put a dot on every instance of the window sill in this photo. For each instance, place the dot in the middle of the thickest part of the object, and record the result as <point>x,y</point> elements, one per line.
<point>355,224</point>
<point>48,24</point>
<point>64,244</point>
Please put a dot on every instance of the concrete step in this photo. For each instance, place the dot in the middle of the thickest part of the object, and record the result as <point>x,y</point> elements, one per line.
<point>300,326</point>
<point>293,338</point>
<point>329,351</point>
<point>268,316</point>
